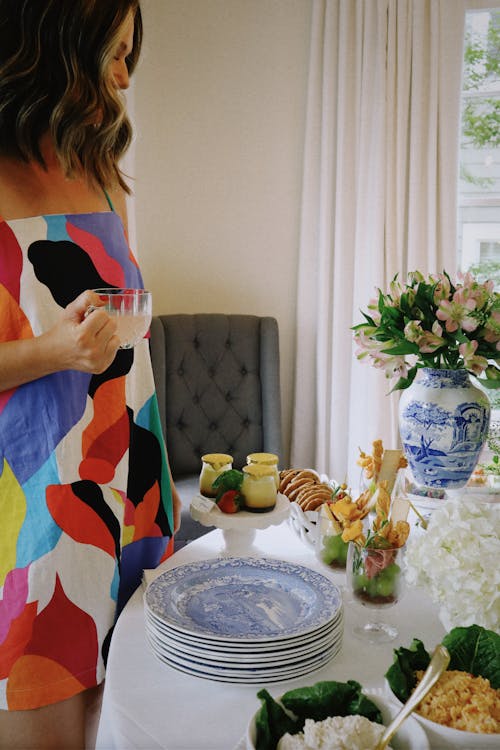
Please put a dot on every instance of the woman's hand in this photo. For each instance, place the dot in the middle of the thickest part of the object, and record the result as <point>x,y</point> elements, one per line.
<point>84,341</point>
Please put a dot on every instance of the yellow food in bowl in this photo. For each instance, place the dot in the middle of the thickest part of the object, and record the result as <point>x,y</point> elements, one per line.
<point>460,701</point>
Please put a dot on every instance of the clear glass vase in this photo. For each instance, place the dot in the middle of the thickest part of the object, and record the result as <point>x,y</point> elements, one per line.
<point>376,581</point>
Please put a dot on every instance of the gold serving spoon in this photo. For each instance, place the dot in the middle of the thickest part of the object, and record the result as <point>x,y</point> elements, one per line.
<point>437,665</point>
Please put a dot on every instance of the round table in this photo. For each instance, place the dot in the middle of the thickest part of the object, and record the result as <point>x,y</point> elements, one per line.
<point>149,705</point>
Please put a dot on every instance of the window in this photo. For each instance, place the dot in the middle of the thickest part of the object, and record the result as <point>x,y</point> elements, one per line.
<point>479,184</point>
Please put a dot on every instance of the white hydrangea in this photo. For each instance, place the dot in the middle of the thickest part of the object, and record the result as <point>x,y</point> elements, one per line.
<point>456,561</point>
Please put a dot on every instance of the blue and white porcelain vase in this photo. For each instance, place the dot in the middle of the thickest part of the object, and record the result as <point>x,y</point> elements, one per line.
<point>443,423</point>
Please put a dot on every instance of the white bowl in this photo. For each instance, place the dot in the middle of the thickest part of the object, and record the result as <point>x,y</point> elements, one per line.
<point>410,736</point>
<point>446,738</point>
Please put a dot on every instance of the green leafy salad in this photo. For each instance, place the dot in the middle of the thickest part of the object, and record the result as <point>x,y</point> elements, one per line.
<point>317,702</point>
<point>472,649</point>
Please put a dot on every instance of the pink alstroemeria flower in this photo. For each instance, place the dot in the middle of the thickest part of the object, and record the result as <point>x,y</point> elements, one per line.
<point>456,314</point>
<point>442,290</point>
<point>367,344</point>
<point>471,289</point>
<point>427,341</point>
<point>431,341</point>
<point>413,331</point>
<point>477,365</point>
<point>392,366</point>
<point>430,317</point>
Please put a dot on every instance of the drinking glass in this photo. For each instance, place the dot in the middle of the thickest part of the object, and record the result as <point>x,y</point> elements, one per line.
<point>376,581</point>
<point>132,309</point>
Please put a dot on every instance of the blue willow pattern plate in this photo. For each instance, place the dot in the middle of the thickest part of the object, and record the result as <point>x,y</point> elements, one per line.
<point>243,599</point>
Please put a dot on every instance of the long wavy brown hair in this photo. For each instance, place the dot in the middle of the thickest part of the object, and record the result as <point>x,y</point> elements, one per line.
<point>54,77</point>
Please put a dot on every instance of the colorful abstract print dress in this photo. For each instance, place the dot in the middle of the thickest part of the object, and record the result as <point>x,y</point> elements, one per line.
<point>85,500</point>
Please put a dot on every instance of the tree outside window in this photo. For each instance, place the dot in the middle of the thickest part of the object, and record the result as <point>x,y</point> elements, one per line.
<point>479,184</point>
<point>479,187</point>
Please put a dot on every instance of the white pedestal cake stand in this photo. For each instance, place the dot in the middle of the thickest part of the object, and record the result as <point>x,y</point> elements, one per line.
<point>238,529</point>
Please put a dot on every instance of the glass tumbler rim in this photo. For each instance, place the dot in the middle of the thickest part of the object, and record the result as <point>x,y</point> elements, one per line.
<point>124,291</point>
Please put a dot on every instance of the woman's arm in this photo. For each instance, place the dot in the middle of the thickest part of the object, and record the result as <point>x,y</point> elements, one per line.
<point>76,342</point>
<point>176,504</point>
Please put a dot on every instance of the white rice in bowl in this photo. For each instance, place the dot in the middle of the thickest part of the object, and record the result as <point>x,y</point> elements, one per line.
<point>334,733</point>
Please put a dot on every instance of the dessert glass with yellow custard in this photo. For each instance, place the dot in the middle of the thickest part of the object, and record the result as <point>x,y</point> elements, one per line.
<point>213,464</point>
<point>265,459</point>
<point>259,488</point>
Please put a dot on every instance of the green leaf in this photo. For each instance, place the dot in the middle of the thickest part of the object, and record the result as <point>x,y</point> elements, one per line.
<point>231,479</point>
<point>363,706</point>
<point>272,722</point>
<point>405,347</point>
<point>490,384</point>
<point>476,650</point>
<point>330,698</point>
<point>405,303</point>
<point>391,314</point>
<point>403,383</point>
<point>401,674</point>
<point>381,301</point>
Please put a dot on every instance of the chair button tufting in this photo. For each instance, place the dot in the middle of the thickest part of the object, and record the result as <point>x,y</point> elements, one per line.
<point>212,426</point>
<point>180,371</point>
<point>228,344</point>
<point>211,371</point>
<point>196,399</point>
<point>246,423</point>
<point>243,370</point>
<point>196,343</point>
<point>228,397</point>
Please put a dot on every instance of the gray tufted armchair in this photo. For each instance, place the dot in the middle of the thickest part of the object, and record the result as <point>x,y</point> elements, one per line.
<point>218,385</point>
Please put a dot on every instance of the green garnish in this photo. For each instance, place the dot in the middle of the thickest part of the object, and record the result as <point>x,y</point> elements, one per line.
<point>231,479</point>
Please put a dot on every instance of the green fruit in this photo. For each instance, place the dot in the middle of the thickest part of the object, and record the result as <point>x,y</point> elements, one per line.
<point>342,556</point>
<point>391,572</point>
<point>334,548</point>
<point>384,587</point>
<point>331,543</point>
<point>361,581</point>
<point>326,556</point>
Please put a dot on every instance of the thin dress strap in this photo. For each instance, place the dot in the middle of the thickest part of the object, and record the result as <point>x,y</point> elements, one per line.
<point>110,204</point>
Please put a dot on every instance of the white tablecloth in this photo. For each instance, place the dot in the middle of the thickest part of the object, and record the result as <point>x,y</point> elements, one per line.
<point>150,705</point>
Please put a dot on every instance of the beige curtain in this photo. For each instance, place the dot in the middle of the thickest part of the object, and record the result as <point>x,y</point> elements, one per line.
<point>379,198</point>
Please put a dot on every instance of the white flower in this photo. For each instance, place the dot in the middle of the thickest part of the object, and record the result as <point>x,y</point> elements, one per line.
<point>456,561</point>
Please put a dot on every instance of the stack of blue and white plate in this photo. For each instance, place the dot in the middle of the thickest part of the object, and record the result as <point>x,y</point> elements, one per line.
<point>244,620</point>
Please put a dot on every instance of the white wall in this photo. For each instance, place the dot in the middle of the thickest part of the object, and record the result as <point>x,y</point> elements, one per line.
<point>219,107</point>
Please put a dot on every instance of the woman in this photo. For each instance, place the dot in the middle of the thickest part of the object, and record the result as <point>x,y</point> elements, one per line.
<point>86,496</point>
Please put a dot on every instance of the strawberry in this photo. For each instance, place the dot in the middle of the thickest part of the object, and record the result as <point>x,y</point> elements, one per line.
<point>230,501</point>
